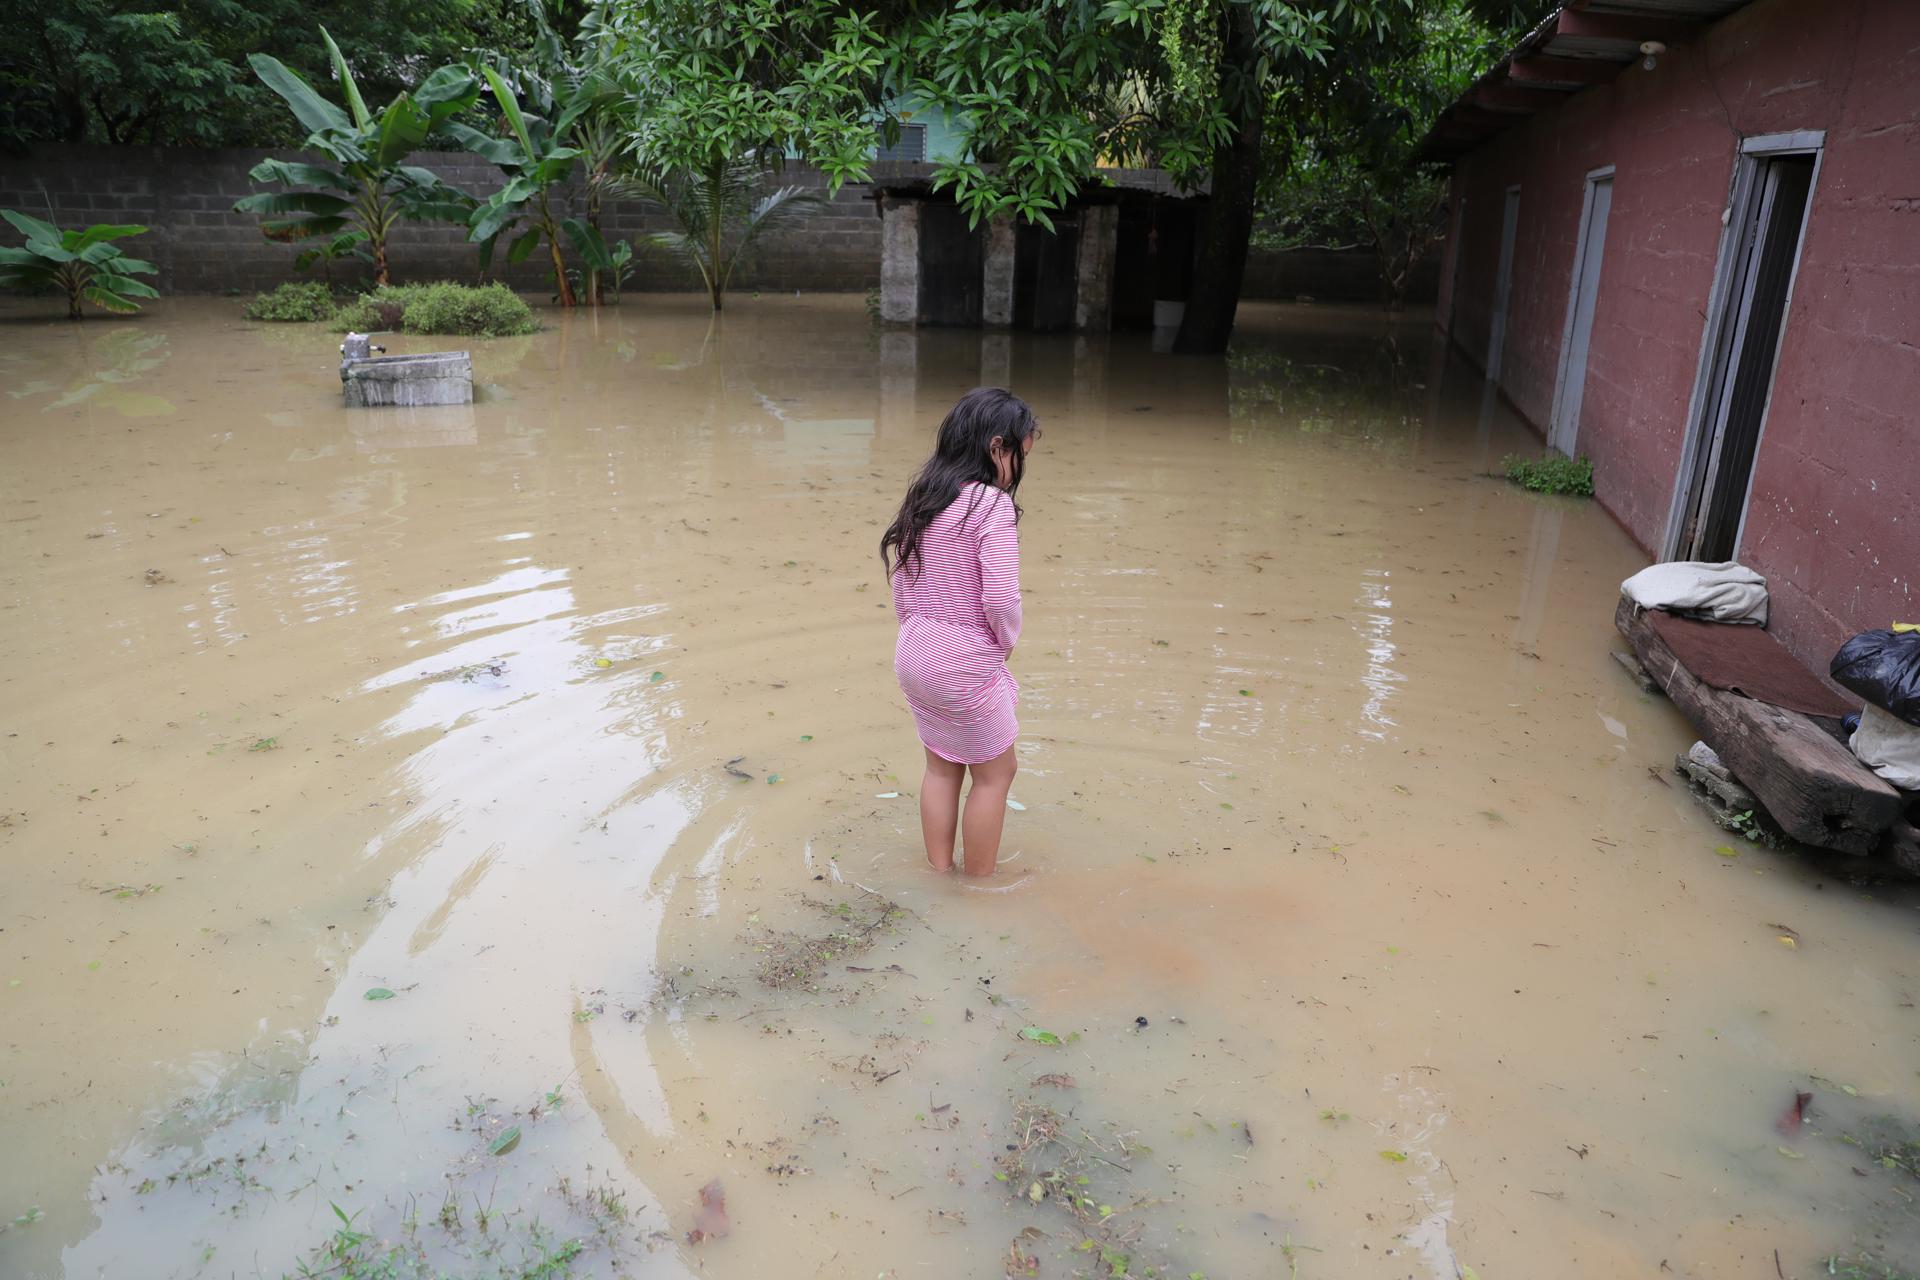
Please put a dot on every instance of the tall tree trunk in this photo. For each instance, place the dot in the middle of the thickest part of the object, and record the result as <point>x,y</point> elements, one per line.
<point>1222,264</point>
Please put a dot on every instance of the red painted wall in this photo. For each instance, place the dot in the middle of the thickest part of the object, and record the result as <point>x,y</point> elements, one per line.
<point>1834,517</point>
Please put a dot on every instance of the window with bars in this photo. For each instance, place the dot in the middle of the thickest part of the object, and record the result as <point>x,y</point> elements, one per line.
<point>912,145</point>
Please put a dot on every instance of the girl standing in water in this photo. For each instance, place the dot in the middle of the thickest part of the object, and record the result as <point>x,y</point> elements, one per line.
<point>954,560</point>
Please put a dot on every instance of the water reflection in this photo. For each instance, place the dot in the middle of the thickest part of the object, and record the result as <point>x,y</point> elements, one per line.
<point>109,371</point>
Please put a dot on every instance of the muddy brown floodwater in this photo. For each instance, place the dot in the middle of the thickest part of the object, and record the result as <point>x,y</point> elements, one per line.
<point>499,823</point>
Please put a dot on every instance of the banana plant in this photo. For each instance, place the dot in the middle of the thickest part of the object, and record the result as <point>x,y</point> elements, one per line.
<point>365,182</point>
<point>83,265</point>
<point>536,158</point>
<point>721,213</point>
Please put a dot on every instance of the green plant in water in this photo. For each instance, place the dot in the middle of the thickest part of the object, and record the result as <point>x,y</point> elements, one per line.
<point>80,265</point>
<point>1863,1266</point>
<point>332,249</point>
<point>721,214</point>
<point>365,183</point>
<point>1551,474</point>
<point>481,311</point>
<point>299,302</point>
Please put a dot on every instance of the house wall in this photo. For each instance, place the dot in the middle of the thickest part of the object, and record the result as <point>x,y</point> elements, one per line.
<point>1834,516</point>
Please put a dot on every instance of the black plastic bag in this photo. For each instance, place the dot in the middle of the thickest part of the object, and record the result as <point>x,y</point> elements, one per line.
<point>1884,668</point>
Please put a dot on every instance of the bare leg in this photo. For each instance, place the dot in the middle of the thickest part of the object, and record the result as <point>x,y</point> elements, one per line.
<point>939,809</point>
<point>986,812</point>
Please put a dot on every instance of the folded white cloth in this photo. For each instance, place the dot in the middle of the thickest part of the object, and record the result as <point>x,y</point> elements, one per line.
<point>1725,592</point>
<point>1889,746</point>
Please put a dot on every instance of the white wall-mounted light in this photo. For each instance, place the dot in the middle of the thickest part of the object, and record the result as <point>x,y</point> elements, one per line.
<point>1653,49</point>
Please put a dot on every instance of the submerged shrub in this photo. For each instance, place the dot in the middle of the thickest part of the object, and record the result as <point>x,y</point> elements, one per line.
<point>302,302</point>
<point>1551,474</point>
<point>484,311</point>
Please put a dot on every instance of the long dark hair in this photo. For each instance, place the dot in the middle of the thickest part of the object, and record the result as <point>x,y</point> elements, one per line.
<point>963,454</point>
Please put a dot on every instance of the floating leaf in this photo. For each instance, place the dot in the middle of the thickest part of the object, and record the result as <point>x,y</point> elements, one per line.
<point>1849,1090</point>
<point>657,677</point>
<point>1398,1157</point>
<point>806,737</point>
<point>1246,693</point>
<point>1789,943</point>
<point>266,744</point>
<point>772,778</point>
<point>1726,851</point>
<point>1039,1035</point>
<point>507,1141</point>
<point>603,662</point>
<point>1790,1153</point>
<point>379,993</point>
<point>1015,805</point>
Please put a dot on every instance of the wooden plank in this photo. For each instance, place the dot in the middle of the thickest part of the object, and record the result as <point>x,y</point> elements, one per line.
<point>1900,850</point>
<point>1516,99</point>
<point>1582,25</point>
<point>1812,785</point>
<point>1549,70</point>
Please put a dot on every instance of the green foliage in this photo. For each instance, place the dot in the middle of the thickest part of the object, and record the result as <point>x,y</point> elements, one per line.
<point>296,301</point>
<point>1551,474</point>
<point>366,183</point>
<point>1343,170</point>
<point>174,72</point>
<point>327,250</point>
<point>721,214</point>
<point>483,311</point>
<point>728,81</point>
<point>79,265</point>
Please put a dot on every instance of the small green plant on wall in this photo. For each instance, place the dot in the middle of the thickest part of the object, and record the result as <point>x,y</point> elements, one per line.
<point>1551,475</point>
<point>83,266</point>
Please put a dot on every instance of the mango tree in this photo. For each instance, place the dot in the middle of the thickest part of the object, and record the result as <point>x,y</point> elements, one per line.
<point>364,182</point>
<point>81,265</point>
<point>724,91</point>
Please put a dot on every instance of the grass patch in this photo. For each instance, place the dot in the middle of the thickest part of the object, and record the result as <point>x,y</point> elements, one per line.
<point>297,302</point>
<point>483,311</point>
<point>1551,474</point>
<point>1863,1266</point>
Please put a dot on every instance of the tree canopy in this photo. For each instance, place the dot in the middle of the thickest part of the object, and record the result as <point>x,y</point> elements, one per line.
<point>176,73</point>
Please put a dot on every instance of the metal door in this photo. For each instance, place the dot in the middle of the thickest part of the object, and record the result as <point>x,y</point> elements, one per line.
<point>1564,426</point>
<point>1503,284</point>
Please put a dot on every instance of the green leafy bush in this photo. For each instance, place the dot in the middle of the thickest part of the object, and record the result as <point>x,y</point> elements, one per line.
<point>301,302</point>
<point>485,311</point>
<point>1551,474</point>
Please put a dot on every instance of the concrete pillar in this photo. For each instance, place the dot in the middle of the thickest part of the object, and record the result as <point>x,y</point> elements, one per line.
<point>900,261</point>
<point>1093,301</point>
<point>996,359</point>
<point>996,304</point>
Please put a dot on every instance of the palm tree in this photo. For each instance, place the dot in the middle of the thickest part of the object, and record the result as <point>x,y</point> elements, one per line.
<point>720,213</point>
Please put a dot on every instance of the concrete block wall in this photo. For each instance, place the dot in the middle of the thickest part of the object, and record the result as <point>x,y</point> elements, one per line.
<point>186,197</point>
<point>201,246</point>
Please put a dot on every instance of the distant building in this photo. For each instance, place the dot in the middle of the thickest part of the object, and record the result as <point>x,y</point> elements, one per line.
<point>1120,256</point>
<point>1686,243</point>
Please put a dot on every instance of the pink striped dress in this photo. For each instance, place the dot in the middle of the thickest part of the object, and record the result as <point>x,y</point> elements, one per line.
<point>959,618</point>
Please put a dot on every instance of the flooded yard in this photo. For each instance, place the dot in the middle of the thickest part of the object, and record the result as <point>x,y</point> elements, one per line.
<point>447,840</point>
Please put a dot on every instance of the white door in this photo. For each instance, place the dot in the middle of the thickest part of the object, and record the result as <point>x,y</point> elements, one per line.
<point>1564,426</point>
<point>1503,284</point>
